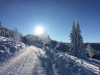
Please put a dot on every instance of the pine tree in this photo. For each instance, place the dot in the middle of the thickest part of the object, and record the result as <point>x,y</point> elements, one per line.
<point>77,47</point>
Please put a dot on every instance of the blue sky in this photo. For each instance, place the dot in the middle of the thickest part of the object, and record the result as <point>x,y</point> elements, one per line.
<point>56,16</point>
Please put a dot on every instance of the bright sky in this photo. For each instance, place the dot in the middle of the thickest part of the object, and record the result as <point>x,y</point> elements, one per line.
<point>55,16</point>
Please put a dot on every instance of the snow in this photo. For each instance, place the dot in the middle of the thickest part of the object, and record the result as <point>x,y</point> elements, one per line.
<point>88,65</point>
<point>8,48</point>
<point>77,48</point>
<point>39,59</point>
<point>22,64</point>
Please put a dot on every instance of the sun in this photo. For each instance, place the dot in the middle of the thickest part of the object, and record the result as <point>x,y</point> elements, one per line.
<point>39,30</point>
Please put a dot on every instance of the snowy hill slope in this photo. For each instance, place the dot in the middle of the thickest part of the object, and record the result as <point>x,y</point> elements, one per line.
<point>88,65</point>
<point>45,61</point>
<point>8,47</point>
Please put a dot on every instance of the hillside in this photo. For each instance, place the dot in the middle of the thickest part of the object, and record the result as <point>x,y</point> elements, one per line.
<point>8,48</point>
<point>26,55</point>
<point>66,46</point>
<point>30,39</point>
<point>45,61</point>
<point>37,59</point>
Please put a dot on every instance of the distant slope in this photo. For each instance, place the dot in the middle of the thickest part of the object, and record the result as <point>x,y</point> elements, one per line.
<point>66,46</point>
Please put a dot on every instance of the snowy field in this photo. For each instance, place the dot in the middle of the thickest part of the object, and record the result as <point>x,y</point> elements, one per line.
<point>34,60</point>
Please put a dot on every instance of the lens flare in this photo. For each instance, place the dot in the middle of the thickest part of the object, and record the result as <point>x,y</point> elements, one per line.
<point>57,45</point>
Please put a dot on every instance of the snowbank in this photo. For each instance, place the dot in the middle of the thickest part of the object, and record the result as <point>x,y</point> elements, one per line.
<point>8,47</point>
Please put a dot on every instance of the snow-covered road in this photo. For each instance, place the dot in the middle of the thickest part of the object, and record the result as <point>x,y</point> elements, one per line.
<point>23,64</point>
<point>37,61</point>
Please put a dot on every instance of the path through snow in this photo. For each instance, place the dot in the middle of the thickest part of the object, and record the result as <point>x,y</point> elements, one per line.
<point>25,64</point>
<point>36,61</point>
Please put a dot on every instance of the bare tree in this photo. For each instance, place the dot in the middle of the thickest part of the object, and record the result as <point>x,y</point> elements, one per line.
<point>89,50</point>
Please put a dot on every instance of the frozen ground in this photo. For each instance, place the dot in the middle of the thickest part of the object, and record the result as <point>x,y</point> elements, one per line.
<point>34,60</point>
<point>9,48</point>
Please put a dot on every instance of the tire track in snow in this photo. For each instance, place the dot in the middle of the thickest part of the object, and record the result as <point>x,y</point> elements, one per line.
<point>23,64</point>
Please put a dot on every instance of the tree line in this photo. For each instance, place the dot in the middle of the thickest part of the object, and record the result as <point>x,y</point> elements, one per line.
<point>76,47</point>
